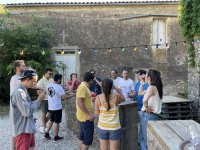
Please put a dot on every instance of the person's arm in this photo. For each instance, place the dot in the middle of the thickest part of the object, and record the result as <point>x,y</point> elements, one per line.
<point>70,85</point>
<point>98,82</point>
<point>97,106</point>
<point>81,105</point>
<point>148,94</point>
<point>120,95</point>
<point>141,89</point>
<point>68,96</point>
<point>13,85</point>
<point>25,107</point>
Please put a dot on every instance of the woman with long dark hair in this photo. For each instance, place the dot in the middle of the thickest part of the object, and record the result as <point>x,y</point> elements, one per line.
<point>152,103</point>
<point>106,106</point>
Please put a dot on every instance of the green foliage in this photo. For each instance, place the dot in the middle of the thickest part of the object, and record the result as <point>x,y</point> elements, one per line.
<point>189,15</point>
<point>32,35</point>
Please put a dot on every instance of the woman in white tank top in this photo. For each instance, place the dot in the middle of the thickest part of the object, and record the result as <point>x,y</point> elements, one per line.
<point>152,103</point>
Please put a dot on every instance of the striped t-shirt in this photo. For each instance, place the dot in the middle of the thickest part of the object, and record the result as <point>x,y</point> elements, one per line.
<point>108,119</point>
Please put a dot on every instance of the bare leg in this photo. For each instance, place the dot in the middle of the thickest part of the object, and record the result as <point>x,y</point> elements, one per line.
<point>56,129</point>
<point>44,119</point>
<point>13,143</point>
<point>50,124</point>
<point>114,144</point>
<point>84,147</point>
<point>104,144</point>
<point>32,148</point>
<point>80,143</point>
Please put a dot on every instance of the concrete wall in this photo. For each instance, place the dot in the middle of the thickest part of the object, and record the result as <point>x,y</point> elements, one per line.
<point>100,26</point>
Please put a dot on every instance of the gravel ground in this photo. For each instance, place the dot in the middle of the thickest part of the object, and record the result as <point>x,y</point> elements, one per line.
<point>70,141</point>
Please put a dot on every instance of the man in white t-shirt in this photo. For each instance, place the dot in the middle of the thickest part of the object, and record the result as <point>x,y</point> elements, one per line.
<point>42,84</point>
<point>114,77</point>
<point>126,85</point>
<point>55,93</point>
<point>19,67</point>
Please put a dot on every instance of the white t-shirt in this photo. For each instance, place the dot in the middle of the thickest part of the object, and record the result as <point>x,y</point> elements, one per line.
<point>116,81</point>
<point>54,92</point>
<point>14,82</point>
<point>126,86</point>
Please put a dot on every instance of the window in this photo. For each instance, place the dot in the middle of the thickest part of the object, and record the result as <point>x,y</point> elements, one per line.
<point>159,32</point>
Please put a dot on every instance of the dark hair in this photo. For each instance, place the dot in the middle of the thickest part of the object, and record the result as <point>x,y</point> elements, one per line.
<point>88,76</point>
<point>28,74</point>
<point>47,69</point>
<point>125,69</point>
<point>72,75</point>
<point>57,77</point>
<point>18,63</point>
<point>141,72</point>
<point>156,80</point>
<point>113,70</point>
<point>107,85</point>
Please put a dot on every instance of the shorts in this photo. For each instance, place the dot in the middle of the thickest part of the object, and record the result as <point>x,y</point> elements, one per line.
<point>44,106</point>
<point>24,141</point>
<point>56,115</point>
<point>86,132</point>
<point>109,134</point>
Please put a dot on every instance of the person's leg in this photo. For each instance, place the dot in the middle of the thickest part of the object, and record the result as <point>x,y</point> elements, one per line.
<point>49,126</point>
<point>56,129</point>
<point>143,133</point>
<point>32,144</point>
<point>80,143</point>
<point>114,137</point>
<point>13,143</point>
<point>84,147</point>
<point>103,136</point>
<point>88,131</point>
<point>114,144</point>
<point>58,118</point>
<point>104,144</point>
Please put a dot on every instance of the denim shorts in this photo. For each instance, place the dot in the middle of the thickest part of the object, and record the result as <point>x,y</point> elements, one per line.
<point>109,134</point>
<point>86,132</point>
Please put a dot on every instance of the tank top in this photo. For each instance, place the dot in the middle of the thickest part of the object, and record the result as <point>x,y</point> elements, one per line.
<point>108,119</point>
<point>155,103</point>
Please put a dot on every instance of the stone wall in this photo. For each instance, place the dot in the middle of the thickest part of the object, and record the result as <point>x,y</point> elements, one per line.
<point>194,78</point>
<point>102,26</point>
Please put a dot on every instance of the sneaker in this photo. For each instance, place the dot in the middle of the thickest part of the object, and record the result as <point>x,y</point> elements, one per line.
<point>56,138</point>
<point>42,130</point>
<point>50,131</point>
<point>47,136</point>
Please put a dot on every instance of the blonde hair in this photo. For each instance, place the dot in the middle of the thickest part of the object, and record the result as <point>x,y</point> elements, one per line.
<point>18,63</point>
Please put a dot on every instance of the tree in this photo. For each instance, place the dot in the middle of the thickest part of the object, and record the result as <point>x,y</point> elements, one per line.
<point>28,39</point>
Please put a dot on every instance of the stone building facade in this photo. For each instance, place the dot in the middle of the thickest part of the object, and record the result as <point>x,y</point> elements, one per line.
<point>135,26</point>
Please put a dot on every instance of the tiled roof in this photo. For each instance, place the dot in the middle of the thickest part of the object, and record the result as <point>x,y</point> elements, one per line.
<point>94,2</point>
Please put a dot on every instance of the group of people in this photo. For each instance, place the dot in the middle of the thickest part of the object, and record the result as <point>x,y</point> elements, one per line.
<point>95,98</point>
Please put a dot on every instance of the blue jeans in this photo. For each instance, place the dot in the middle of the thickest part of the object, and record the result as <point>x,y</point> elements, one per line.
<point>143,134</point>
